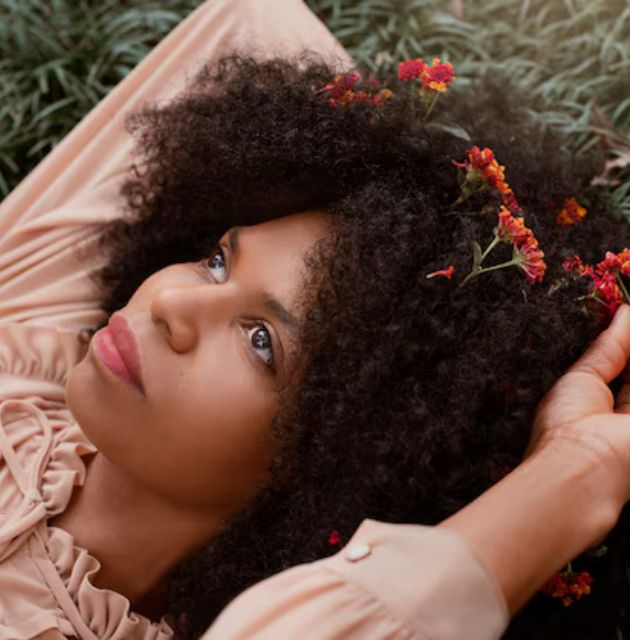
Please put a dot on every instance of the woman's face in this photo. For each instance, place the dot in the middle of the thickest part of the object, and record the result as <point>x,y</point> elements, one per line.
<point>215,338</point>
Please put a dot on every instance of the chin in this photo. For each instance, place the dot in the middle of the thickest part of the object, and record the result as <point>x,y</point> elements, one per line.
<point>81,400</point>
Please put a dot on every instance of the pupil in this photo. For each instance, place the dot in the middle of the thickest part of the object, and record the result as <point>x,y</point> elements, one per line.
<point>261,342</point>
<point>216,260</point>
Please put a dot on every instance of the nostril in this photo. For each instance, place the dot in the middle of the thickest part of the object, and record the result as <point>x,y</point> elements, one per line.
<point>163,326</point>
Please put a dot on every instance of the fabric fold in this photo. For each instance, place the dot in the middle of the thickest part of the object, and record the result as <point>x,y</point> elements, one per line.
<point>107,613</point>
<point>30,354</point>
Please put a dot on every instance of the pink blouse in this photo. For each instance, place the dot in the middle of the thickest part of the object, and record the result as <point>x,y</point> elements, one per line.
<point>390,581</point>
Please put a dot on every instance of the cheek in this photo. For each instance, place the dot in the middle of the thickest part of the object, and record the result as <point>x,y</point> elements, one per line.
<point>203,438</point>
<point>218,441</point>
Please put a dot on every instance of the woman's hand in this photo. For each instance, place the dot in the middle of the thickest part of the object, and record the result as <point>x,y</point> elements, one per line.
<point>568,492</point>
<point>580,414</point>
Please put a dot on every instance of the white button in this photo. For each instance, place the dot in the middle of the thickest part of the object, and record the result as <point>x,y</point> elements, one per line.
<point>357,552</point>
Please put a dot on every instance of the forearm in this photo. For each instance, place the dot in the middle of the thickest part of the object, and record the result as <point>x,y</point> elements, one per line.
<point>543,514</point>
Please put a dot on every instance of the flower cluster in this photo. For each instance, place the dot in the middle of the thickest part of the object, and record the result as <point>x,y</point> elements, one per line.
<point>568,586</point>
<point>607,286</point>
<point>484,172</point>
<point>435,78</point>
<point>348,88</point>
<point>344,90</point>
<point>570,213</point>
<point>526,254</point>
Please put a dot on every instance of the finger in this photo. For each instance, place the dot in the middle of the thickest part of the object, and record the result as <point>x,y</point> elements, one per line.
<point>608,356</point>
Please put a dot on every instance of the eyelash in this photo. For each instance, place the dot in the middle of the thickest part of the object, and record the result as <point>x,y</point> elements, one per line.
<point>271,365</point>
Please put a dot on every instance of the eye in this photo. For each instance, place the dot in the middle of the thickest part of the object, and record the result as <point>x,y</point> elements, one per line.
<point>260,339</point>
<point>216,263</point>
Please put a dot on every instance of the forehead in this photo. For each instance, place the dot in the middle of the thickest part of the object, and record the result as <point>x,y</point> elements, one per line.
<point>271,254</point>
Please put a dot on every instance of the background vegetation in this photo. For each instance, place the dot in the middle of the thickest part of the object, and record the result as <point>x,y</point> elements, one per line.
<point>58,58</point>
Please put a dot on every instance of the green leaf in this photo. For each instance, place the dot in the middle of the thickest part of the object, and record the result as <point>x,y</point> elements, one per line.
<point>477,253</point>
<point>453,129</point>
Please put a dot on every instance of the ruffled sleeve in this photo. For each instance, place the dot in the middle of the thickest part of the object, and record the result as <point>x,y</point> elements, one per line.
<point>390,582</point>
<point>36,360</point>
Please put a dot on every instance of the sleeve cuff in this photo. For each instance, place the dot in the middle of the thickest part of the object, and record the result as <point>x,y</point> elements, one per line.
<point>427,577</point>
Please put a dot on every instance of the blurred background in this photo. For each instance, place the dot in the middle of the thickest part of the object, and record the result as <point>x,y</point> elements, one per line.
<point>58,58</point>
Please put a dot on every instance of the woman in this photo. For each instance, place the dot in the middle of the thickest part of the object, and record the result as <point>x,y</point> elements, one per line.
<point>252,477</point>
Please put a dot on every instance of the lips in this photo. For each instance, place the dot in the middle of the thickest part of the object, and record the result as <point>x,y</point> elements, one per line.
<point>127,346</point>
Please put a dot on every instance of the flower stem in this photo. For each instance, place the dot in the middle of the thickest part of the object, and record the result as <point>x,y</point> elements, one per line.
<point>476,271</point>
<point>428,112</point>
<point>513,262</point>
<point>622,286</point>
<point>491,246</point>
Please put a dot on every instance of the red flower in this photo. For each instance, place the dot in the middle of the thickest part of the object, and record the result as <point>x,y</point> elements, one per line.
<point>573,263</point>
<point>608,291</point>
<point>609,264</point>
<point>532,263</point>
<point>511,228</point>
<point>411,69</point>
<point>530,258</point>
<point>482,172</point>
<point>437,77</point>
<point>343,91</point>
<point>334,538</point>
<point>606,284</point>
<point>343,82</point>
<point>568,586</point>
<point>447,273</point>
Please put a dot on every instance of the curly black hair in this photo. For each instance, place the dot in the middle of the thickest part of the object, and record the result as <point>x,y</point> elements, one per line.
<point>416,397</point>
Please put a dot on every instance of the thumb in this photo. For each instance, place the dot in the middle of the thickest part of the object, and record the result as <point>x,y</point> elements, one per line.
<point>607,357</point>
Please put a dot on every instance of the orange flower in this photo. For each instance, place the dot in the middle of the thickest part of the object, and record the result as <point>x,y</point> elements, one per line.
<point>624,262</point>
<point>511,228</point>
<point>532,262</point>
<point>342,92</point>
<point>568,586</point>
<point>447,273</point>
<point>482,172</point>
<point>570,213</point>
<point>437,77</point>
<point>527,254</point>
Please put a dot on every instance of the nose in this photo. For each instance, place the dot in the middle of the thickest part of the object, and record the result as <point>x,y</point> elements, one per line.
<point>185,311</point>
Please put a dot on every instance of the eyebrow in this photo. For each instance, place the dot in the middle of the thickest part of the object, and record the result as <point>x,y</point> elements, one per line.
<point>273,306</point>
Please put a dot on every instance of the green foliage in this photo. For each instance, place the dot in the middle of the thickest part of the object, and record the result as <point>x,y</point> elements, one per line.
<point>58,58</point>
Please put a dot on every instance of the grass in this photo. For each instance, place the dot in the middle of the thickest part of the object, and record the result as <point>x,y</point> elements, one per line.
<point>58,58</point>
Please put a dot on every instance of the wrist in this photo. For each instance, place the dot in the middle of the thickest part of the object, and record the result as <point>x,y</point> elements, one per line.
<point>589,475</point>
<point>547,511</point>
